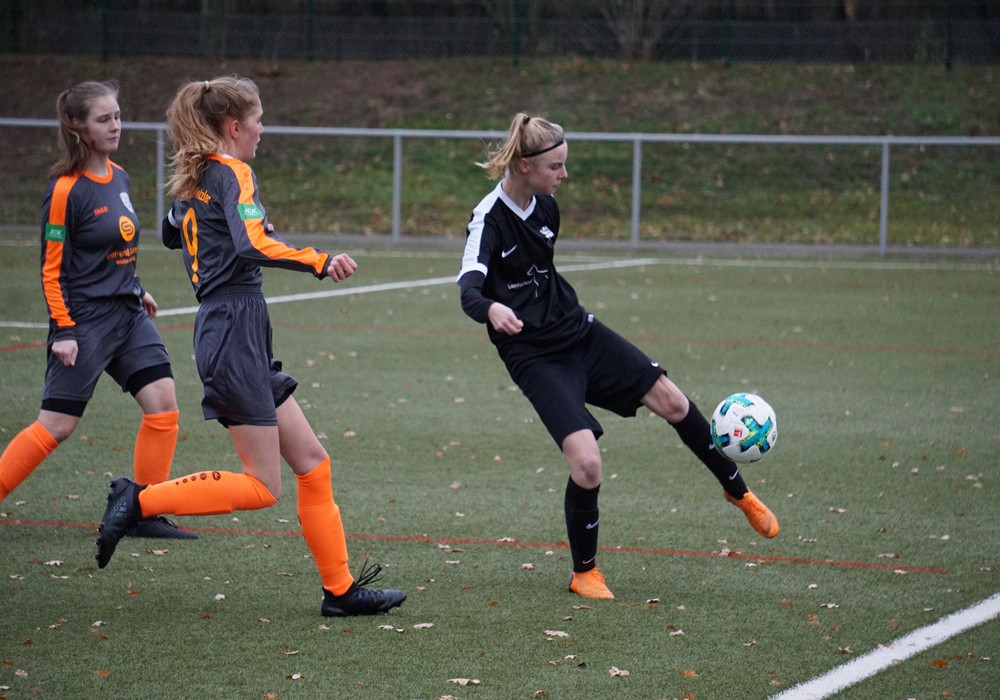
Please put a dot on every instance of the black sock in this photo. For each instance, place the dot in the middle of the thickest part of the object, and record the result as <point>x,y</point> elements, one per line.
<point>582,520</point>
<point>696,433</point>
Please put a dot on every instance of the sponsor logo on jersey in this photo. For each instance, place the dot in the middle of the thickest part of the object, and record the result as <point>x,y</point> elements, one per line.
<point>250,211</point>
<point>202,196</point>
<point>55,234</point>
<point>100,210</point>
<point>547,232</point>
<point>126,227</point>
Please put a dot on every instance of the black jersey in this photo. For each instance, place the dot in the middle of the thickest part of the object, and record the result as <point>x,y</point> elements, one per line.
<point>90,239</point>
<point>508,258</point>
<point>225,235</point>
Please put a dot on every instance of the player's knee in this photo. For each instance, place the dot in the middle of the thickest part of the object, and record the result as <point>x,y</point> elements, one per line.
<point>667,400</point>
<point>586,469</point>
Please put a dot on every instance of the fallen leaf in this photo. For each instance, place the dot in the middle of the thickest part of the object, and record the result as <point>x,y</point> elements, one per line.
<point>423,625</point>
<point>688,673</point>
<point>615,671</point>
<point>556,633</point>
<point>464,681</point>
<point>103,673</point>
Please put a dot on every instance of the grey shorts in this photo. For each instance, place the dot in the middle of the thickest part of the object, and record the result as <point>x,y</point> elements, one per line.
<point>604,370</point>
<point>243,382</point>
<point>116,337</point>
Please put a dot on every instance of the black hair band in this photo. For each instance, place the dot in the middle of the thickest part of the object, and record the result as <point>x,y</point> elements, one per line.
<point>544,150</point>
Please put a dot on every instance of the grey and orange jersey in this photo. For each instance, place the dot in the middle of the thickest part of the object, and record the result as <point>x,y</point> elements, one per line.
<point>90,239</point>
<point>224,232</point>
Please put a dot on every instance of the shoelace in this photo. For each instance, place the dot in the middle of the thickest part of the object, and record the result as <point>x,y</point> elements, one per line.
<point>370,573</point>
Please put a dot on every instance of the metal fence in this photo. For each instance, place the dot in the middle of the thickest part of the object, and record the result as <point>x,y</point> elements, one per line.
<point>399,136</point>
<point>943,31</point>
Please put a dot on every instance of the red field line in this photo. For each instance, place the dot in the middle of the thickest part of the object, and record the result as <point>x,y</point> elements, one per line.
<point>23,346</point>
<point>764,559</point>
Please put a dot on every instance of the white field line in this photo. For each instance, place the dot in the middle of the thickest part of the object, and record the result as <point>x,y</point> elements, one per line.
<point>886,655</point>
<point>584,267</point>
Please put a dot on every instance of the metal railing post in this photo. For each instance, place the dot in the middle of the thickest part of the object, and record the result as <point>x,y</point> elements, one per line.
<point>161,137</point>
<point>397,186</point>
<point>636,189</point>
<point>883,207</point>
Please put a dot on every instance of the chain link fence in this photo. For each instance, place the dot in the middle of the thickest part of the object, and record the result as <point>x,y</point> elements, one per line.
<point>966,31</point>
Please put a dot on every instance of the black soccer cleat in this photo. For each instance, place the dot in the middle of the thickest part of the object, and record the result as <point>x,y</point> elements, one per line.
<point>160,527</point>
<point>358,600</point>
<point>120,517</point>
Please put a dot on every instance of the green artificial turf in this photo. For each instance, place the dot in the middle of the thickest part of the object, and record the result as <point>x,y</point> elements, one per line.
<point>884,379</point>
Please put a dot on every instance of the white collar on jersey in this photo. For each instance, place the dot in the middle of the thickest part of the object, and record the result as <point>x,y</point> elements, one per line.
<point>514,207</point>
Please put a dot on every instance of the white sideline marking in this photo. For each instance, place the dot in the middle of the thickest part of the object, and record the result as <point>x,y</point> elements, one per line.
<point>884,656</point>
<point>429,282</point>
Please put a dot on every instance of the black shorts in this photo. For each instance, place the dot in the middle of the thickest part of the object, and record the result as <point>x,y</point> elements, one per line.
<point>116,337</point>
<point>243,382</point>
<point>604,370</point>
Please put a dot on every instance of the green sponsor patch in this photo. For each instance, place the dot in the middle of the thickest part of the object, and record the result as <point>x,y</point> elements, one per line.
<point>54,233</point>
<point>250,211</point>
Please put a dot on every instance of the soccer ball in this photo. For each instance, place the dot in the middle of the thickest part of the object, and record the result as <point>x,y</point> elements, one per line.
<point>744,427</point>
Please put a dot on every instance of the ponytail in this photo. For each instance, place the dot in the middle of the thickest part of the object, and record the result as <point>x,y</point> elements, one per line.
<point>195,123</point>
<point>527,137</point>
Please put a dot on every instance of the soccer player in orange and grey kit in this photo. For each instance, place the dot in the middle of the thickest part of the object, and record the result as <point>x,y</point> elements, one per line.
<point>100,317</point>
<point>560,356</point>
<point>219,221</point>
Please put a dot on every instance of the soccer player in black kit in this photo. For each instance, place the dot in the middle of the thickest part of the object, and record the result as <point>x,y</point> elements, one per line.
<point>558,354</point>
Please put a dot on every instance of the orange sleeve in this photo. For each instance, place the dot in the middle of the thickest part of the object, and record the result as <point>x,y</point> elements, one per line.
<point>270,247</point>
<point>52,261</point>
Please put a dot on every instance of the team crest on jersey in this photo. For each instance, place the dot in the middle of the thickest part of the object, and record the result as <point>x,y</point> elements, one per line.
<point>547,232</point>
<point>126,201</point>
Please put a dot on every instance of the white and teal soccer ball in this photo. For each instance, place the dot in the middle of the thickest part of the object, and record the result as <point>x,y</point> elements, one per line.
<point>744,427</point>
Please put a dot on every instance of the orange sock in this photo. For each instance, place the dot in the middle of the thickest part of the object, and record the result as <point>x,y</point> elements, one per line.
<point>154,447</point>
<point>323,529</point>
<point>205,493</point>
<point>27,450</point>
